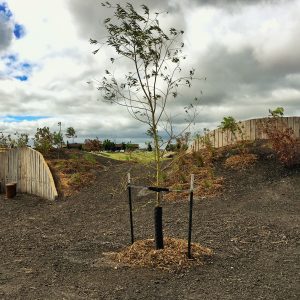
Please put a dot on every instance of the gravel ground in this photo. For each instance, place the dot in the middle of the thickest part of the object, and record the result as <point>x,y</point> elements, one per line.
<point>56,250</point>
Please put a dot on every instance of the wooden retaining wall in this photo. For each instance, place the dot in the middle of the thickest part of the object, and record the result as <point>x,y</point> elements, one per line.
<point>29,169</point>
<point>251,130</point>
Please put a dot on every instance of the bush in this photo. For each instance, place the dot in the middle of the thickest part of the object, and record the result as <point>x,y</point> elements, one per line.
<point>92,145</point>
<point>282,138</point>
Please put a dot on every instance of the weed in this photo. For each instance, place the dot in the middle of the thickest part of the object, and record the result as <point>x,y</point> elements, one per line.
<point>163,176</point>
<point>75,179</point>
<point>90,158</point>
<point>74,156</point>
<point>207,183</point>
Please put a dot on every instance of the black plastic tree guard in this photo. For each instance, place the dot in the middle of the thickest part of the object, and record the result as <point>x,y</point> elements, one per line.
<point>130,209</point>
<point>190,217</point>
<point>159,239</point>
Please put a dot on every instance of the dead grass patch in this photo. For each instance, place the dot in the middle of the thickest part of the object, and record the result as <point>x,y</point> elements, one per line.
<point>74,172</point>
<point>173,257</point>
<point>206,184</point>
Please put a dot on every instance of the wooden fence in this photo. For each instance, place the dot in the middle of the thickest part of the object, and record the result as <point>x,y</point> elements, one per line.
<point>29,170</point>
<point>251,130</point>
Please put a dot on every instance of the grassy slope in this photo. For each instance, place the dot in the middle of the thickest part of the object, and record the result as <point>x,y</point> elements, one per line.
<point>136,156</point>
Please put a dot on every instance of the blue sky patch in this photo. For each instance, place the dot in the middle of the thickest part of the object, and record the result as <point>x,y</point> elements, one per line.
<point>5,11</point>
<point>19,31</point>
<point>10,118</point>
<point>15,68</point>
<point>26,66</point>
<point>22,77</point>
<point>9,60</point>
<point>12,58</point>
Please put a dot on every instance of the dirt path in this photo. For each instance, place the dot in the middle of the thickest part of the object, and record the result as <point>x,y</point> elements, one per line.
<point>57,250</point>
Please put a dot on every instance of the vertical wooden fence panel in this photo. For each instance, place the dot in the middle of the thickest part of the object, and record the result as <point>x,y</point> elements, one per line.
<point>252,130</point>
<point>29,169</point>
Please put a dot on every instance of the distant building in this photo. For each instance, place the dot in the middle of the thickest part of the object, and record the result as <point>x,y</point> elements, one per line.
<point>123,146</point>
<point>74,145</point>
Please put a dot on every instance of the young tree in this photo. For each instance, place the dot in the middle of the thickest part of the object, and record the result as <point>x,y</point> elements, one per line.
<point>71,133</point>
<point>43,140</point>
<point>229,123</point>
<point>58,141</point>
<point>277,112</point>
<point>155,57</point>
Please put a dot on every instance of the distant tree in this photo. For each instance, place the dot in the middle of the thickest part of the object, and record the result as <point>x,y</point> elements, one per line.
<point>4,141</point>
<point>43,140</point>
<point>171,147</point>
<point>123,146</point>
<point>11,141</point>
<point>22,140</point>
<point>130,147</point>
<point>149,146</point>
<point>92,145</point>
<point>71,133</point>
<point>108,145</point>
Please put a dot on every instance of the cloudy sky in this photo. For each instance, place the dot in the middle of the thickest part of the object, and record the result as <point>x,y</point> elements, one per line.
<point>248,50</point>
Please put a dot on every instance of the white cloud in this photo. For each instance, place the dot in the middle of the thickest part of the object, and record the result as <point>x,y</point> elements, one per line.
<point>249,52</point>
<point>5,33</point>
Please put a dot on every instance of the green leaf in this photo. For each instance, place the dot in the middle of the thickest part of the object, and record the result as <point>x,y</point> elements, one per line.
<point>93,41</point>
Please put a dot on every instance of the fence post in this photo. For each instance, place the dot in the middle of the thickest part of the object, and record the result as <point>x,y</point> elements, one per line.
<point>130,207</point>
<point>190,216</point>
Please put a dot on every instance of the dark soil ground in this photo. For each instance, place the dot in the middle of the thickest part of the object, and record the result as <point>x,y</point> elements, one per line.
<point>57,250</point>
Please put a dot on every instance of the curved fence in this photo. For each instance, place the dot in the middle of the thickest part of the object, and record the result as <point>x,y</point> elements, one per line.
<point>29,170</point>
<point>250,130</point>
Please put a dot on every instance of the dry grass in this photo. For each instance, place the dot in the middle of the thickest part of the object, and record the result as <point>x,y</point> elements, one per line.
<point>240,161</point>
<point>172,257</point>
<point>74,171</point>
<point>206,184</point>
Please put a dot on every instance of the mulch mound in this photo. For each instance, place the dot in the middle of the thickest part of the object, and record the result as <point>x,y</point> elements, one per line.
<point>240,161</point>
<point>173,257</point>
